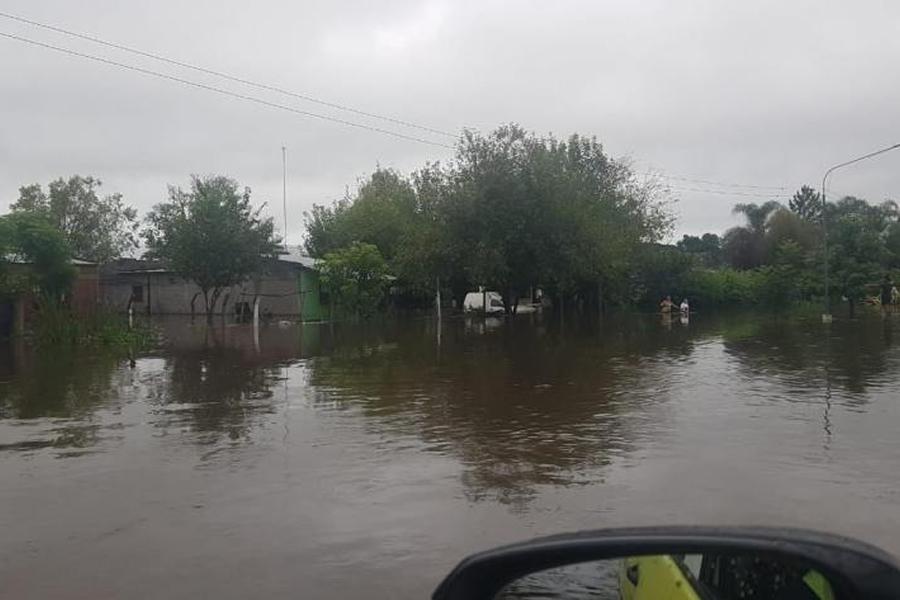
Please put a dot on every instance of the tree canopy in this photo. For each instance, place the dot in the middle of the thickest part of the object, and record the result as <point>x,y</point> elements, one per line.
<point>96,228</point>
<point>511,211</point>
<point>354,278</point>
<point>31,240</point>
<point>211,234</point>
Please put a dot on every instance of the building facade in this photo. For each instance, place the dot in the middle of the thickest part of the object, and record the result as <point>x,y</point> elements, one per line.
<point>287,287</point>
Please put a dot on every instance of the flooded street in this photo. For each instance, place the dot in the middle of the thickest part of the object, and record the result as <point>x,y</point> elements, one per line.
<point>365,461</point>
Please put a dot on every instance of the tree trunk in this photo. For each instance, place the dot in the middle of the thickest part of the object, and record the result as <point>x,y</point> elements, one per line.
<point>206,306</point>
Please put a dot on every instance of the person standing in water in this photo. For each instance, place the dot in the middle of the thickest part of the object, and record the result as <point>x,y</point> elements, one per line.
<point>685,307</point>
<point>666,305</point>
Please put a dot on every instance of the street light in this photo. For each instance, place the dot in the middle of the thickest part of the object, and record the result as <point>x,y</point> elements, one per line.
<point>826,317</point>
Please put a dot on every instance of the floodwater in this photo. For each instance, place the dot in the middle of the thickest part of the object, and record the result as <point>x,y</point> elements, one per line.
<point>364,461</point>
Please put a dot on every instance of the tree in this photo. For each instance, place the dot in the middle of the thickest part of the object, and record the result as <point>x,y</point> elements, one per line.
<point>511,212</point>
<point>96,228</point>
<point>806,203</point>
<point>211,234</point>
<point>707,248</point>
<point>744,246</point>
<point>31,239</point>
<point>856,246</point>
<point>354,278</point>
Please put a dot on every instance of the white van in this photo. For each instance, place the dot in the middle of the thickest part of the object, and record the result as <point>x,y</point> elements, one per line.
<point>474,302</point>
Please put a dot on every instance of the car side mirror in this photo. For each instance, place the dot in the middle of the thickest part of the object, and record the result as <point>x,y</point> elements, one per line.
<point>678,563</point>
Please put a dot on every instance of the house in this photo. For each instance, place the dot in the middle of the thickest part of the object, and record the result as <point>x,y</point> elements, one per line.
<point>288,286</point>
<point>84,297</point>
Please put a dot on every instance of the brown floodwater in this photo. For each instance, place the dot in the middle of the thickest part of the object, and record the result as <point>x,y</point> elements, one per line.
<point>364,461</point>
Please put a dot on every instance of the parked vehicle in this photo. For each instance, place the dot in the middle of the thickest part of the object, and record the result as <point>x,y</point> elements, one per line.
<point>474,302</point>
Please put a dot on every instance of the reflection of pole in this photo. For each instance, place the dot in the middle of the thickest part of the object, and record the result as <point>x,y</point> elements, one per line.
<point>826,317</point>
<point>256,323</point>
<point>437,297</point>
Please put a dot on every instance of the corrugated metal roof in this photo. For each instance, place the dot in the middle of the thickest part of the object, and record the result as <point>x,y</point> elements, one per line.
<point>296,255</point>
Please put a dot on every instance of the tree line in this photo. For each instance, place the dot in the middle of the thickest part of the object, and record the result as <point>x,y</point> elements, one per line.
<point>512,212</point>
<point>777,257</point>
<point>209,233</point>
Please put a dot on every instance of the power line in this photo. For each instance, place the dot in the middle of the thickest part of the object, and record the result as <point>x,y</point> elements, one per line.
<point>222,91</point>
<point>728,193</point>
<point>222,75</point>
<point>723,184</point>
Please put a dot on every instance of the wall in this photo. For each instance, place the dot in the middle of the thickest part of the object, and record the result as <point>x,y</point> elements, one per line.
<point>85,294</point>
<point>166,293</point>
<point>310,296</point>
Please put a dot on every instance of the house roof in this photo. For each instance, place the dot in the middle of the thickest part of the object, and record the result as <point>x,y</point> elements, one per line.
<point>296,255</point>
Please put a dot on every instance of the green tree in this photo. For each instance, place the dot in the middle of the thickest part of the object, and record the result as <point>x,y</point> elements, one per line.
<point>96,228</point>
<point>856,246</point>
<point>32,240</point>
<point>512,211</point>
<point>708,248</point>
<point>806,203</point>
<point>211,234</point>
<point>783,226</point>
<point>355,278</point>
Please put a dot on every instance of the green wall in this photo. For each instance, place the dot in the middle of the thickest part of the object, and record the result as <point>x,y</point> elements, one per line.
<point>310,297</point>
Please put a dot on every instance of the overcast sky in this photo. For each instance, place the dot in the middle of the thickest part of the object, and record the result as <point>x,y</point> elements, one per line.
<point>738,93</point>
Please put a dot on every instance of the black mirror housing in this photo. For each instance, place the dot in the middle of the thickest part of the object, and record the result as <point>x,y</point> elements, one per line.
<point>859,570</point>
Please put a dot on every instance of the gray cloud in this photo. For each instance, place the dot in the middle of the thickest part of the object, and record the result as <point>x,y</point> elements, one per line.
<point>763,93</point>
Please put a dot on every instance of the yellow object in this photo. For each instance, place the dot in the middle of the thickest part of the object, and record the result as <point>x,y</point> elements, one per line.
<point>819,585</point>
<point>658,578</point>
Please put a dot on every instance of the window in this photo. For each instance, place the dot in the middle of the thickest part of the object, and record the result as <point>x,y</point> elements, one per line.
<point>137,293</point>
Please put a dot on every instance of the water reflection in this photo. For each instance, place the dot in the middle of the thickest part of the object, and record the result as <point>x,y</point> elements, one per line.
<point>327,448</point>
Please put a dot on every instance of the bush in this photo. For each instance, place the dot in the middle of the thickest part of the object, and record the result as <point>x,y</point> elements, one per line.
<point>723,287</point>
<point>58,326</point>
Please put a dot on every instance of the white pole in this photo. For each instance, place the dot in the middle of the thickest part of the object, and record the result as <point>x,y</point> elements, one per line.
<point>130,317</point>
<point>284,191</point>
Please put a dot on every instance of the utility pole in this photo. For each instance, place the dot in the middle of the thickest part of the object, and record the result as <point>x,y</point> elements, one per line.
<point>826,316</point>
<point>284,191</point>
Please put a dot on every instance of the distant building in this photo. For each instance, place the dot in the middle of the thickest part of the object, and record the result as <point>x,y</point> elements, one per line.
<point>287,287</point>
<point>84,297</point>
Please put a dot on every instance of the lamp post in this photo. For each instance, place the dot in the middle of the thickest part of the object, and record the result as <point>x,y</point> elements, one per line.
<point>826,316</point>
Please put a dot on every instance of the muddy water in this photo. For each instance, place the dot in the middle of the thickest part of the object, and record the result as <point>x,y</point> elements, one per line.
<point>363,462</point>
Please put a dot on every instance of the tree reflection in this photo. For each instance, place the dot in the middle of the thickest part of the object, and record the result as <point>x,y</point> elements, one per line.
<point>520,406</point>
<point>853,355</point>
<point>216,383</point>
<point>57,393</point>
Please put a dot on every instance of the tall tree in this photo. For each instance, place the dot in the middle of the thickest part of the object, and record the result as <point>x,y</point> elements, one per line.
<point>211,234</point>
<point>856,246</point>
<point>807,203</point>
<point>96,228</point>
<point>744,246</point>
